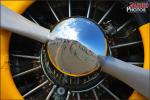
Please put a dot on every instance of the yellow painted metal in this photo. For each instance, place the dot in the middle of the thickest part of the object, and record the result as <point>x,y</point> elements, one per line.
<point>145,34</point>
<point>8,90</point>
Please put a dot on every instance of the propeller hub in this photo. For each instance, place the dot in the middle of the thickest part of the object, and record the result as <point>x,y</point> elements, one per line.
<point>78,42</point>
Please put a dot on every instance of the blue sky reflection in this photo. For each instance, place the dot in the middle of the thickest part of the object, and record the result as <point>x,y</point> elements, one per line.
<point>83,31</point>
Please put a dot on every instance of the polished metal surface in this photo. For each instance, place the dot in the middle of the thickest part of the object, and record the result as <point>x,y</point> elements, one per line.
<point>26,72</point>
<point>126,44</point>
<point>53,12</point>
<point>84,31</point>
<point>35,89</point>
<point>104,16</point>
<point>85,34</point>
<point>111,93</point>
<point>51,92</point>
<point>25,56</point>
<point>67,55</point>
<point>89,9</point>
<point>77,44</point>
<point>69,8</point>
<point>75,60</point>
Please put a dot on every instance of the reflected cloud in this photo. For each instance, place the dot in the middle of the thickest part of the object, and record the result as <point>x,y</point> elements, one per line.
<point>84,31</point>
<point>67,29</point>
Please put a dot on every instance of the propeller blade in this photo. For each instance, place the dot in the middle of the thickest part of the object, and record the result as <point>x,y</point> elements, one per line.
<point>18,24</point>
<point>136,77</point>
